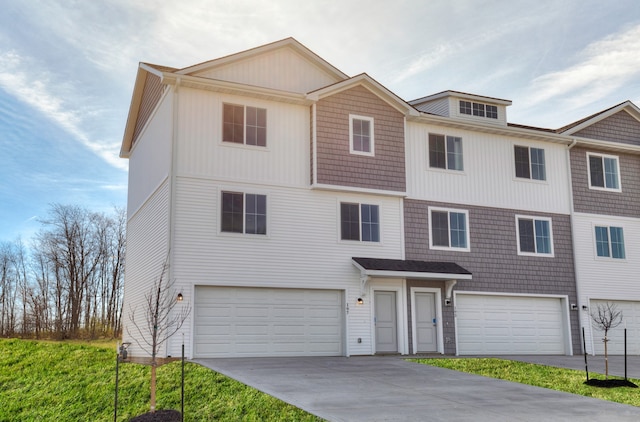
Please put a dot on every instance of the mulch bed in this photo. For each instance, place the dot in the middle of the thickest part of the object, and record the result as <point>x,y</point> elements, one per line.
<point>159,416</point>
<point>610,383</point>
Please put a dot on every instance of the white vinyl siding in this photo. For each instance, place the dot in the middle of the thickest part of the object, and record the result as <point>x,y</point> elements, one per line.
<point>497,324</point>
<point>283,69</point>
<point>254,322</point>
<point>488,177</point>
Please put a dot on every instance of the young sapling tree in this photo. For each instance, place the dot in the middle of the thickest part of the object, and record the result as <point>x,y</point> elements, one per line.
<point>605,318</point>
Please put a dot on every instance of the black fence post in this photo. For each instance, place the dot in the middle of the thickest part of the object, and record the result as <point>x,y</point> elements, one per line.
<point>182,392</point>
<point>115,404</point>
<point>584,347</point>
<point>625,353</point>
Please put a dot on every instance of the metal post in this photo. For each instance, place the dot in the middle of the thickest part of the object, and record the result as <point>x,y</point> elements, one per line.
<point>182,392</point>
<point>584,347</point>
<point>625,354</point>
<point>115,405</point>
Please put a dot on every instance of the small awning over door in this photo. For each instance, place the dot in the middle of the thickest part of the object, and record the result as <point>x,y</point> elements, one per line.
<point>403,268</point>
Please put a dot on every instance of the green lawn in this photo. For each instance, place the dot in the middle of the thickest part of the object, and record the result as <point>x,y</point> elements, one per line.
<point>42,381</point>
<point>568,380</point>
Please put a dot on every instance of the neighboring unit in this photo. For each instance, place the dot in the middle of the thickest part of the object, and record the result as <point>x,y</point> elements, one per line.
<point>304,212</point>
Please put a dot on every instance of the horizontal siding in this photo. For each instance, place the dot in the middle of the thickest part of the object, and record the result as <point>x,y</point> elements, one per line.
<point>150,158</point>
<point>621,127</point>
<point>282,69</point>
<point>488,178</point>
<point>439,107</point>
<point>285,160</point>
<point>147,240</point>
<point>601,278</point>
<point>151,94</point>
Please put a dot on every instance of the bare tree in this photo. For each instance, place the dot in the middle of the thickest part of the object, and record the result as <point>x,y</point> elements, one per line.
<point>605,318</point>
<point>161,321</point>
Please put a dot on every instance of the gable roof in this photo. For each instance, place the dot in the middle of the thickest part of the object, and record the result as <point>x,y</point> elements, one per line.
<point>243,55</point>
<point>372,85</point>
<point>459,94</point>
<point>577,126</point>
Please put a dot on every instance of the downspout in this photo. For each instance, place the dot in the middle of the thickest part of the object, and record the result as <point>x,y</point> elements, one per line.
<point>573,243</point>
<point>172,186</point>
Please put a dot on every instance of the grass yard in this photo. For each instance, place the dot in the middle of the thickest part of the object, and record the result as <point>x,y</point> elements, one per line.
<point>568,380</point>
<point>75,382</point>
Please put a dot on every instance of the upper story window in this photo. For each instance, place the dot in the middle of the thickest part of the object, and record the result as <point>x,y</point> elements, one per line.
<point>244,125</point>
<point>445,152</point>
<point>530,163</point>
<point>603,172</point>
<point>449,229</point>
<point>534,236</point>
<point>359,222</point>
<point>610,242</point>
<point>244,213</point>
<point>478,109</point>
<point>361,139</point>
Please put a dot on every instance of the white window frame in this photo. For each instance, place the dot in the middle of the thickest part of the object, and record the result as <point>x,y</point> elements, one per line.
<point>595,242</point>
<point>448,211</point>
<point>353,117</point>
<point>551,254</point>
<point>244,193</point>
<point>359,204</point>
<point>602,157</point>
<point>244,127</point>
<point>446,153</point>
<point>530,178</point>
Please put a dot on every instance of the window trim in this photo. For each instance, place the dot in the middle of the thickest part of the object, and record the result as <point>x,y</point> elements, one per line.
<point>446,153</point>
<point>244,213</point>
<point>602,157</point>
<point>609,243</point>
<point>360,223</point>
<point>352,150</point>
<point>244,127</point>
<point>530,178</point>
<point>449,211</point>
<point>478,109</point>
<point>549,220</point>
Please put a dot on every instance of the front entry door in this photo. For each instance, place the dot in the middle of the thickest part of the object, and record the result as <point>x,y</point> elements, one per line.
<point>386,322</point>
<point>426,327</point>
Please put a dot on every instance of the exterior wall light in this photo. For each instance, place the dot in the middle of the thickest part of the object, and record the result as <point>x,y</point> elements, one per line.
<point>180,297</point>
<point>360,301</point>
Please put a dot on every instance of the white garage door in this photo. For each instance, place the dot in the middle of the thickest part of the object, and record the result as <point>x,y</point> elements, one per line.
<point>243,322</point>
<point>494,325</point>
<point>630,318</point>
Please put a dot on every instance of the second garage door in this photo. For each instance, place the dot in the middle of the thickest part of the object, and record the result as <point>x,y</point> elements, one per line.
<point>494,325</point>
<point>244,322</point>
<point>630,319</point>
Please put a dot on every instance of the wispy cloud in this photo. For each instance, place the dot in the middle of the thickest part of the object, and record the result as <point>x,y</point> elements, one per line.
<point>34,88</point>
<point>601,68</point>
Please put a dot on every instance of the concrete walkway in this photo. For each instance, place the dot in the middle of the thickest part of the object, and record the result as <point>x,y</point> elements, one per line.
<point>375,388</point>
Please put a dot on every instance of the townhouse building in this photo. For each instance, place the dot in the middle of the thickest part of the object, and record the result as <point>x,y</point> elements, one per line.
<point>306,212</point>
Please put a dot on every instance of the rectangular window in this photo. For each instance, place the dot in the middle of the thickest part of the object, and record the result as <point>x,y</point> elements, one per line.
<point>445,152</point>
<point>449,229</point>
<point>361,140</point>
<point>359,222</point>
<point>530,163</point>
<point>492,112</point>
<point>534,236</point>
<point>465,107</point>
<point>610,242</point>
<point>244,125</point>
<point>244,213</point>
<point>603,172</point>
<point>478,109</point>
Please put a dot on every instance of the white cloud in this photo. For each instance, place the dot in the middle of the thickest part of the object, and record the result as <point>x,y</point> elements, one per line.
<point>34,88</point>
<point>601,68</point>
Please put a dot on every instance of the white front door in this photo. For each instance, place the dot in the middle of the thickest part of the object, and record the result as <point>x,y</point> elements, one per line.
<point>386,322</point>
<point>426,324</point>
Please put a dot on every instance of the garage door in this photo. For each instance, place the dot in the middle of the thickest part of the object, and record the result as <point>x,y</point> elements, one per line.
<point>243,322</point>
<point>630,318</point>
<point>494,325</point>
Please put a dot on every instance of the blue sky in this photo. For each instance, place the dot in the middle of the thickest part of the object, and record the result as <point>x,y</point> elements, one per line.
<point>67,70</point>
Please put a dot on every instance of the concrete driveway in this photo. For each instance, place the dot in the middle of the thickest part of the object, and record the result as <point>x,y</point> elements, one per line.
<point>379,388</point>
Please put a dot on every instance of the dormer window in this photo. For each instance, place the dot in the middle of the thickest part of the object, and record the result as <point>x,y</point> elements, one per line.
<point>478,109</point>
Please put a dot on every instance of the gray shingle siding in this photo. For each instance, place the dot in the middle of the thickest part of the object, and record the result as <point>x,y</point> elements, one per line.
<point>621,127</point>
<point>493,259</point>
<point>593,201</point>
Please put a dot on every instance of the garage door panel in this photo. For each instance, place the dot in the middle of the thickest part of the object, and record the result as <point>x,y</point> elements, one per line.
<point>267,322</point>
<point>630,318</point>
<point>495,324</point>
